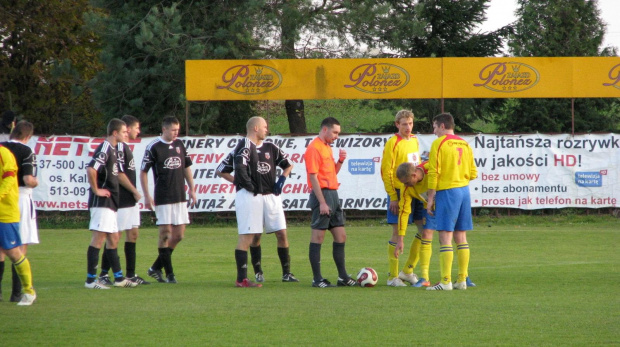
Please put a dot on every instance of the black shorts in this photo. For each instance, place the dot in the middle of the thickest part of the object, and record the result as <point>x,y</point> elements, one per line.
<point>336,216</point>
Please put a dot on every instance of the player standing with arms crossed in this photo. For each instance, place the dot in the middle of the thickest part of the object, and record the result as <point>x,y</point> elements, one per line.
<point>403,147</point>
<point>451,167</point>
<point>327,213</point>
<point>171,169</point>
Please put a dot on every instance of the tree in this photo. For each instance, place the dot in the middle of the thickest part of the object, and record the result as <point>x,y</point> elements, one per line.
<point>146,44</point>
<point>46,60</point>
<point>563,28</point>
<point>442,28</point>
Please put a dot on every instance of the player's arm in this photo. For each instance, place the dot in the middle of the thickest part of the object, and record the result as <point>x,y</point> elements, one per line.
<point>387,175</point>
<point>342,155</point>
<point>187,172</point>
<point>91,173</point>
<point>9,176</point>
<point>31,181</point>
<point>225,168</point>
<point>242,160</point>
<point>29,170</point>
<point>144,182</point>
<point>432,174</point>
<point>316,188</point>
<point>124,181</point>
<point>404,209</point>
<point>473,171</point>
<point>225,175</point>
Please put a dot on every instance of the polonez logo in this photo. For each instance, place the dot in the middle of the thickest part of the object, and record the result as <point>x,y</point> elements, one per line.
<point>251,79</point>
<point>508,77</point>
<point>378,78</point>
<point>614,75</point>
<point>172,163</point>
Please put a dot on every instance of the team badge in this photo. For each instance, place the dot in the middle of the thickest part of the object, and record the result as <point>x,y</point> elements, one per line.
<point>178,150</point>
<point>267,156</point>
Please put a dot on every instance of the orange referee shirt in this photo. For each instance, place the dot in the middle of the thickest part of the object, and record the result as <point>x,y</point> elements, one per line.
<point>319,160</point>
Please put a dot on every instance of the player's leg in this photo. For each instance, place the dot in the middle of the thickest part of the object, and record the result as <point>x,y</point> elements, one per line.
<point>463,223</point>
<point>1,271</point>
<point>318,224</point>
<point>256,257</point>
<point>275,222</point>
<point>417,217</point>
<point>336,227</point>
<point>446,210</point>
<point>249,213</point>
<point>92,258</point>
<point>392,220</point>
<point>105,268</point>
<point>10,243</point>
<point>129,222</point>
<point>426,250</point>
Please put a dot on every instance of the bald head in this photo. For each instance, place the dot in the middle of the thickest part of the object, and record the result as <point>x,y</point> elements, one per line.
<point>257,129</point>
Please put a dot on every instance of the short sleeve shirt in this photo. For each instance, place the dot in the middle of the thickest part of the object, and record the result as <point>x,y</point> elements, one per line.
<point>127,165</point>
<point>319,160</point>
<point>105,163</point>
<point>168,161</point>
<point>25,158</point>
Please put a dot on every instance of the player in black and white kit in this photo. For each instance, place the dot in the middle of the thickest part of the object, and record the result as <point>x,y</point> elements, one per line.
<point>257,201</point>
<point>170,162</point>
<point>103,201</point>
<point>27,180</point>
<point>128,214</point>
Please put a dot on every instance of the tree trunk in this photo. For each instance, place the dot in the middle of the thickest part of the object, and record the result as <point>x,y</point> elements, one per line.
<point>296,116</point>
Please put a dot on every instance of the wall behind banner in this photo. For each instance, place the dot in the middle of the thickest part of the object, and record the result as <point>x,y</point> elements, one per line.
<point>527,172</point>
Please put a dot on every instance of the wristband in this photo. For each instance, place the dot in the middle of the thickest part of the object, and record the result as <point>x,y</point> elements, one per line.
<point>340,162</point>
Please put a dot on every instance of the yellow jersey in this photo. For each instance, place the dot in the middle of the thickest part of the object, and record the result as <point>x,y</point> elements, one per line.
<point>406,197</point>
<point>451,163</point>
<point>9,190</point>
<point>397,150</point>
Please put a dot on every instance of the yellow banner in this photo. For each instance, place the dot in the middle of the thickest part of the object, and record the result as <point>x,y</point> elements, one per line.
<point>596,77</point>
<point>411,78</point>
<point>313,79</point>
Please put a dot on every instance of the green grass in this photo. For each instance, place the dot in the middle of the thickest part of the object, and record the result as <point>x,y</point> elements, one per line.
<point>538,284</point>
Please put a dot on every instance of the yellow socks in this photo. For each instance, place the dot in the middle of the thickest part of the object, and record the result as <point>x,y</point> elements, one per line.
<point>22,267</point>
<point>462,254</point>
<point>414,254</point>
<point>446,256</point>
<point>425,258</point>
<point>392,260</point>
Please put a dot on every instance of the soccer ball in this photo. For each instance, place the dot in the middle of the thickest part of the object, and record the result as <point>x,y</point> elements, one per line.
<point>367,277</point>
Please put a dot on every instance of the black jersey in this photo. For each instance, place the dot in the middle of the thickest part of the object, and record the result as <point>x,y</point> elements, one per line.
<point>228,164</point>
<point>269,156</point>
<point>25,158</point>
<point>168,160</point>
<point>246,167</point>
<point>127,165</point>
<point>104,162</point>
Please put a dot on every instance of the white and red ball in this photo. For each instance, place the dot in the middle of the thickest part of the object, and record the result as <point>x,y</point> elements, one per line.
<point>367,277</point>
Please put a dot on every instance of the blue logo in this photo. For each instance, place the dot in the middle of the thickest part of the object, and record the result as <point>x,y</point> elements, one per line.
<point>362,167</point>
<point>589,179</point>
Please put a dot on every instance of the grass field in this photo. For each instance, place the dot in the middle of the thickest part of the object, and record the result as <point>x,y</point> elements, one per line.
<point>542,283</point>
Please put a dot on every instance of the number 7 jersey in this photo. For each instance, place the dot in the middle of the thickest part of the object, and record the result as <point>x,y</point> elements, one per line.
<point>450,163</point>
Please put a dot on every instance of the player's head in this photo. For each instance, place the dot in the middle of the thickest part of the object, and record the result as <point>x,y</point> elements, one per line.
<point>443,122</point>
<point>257,126</point>
<point>118,129</point>
<point>133,126</point>
<point>22,132</point>
<point>170,128</point>
<point>330,129</point>
<point>404,122</point>
<point>8,120</point>
<point>409,174</point>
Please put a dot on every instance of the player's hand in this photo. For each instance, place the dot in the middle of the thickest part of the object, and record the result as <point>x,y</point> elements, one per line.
<point>398,250</point>
<point>192,198</point>
<point>342,155</point>
<point>324,209</point>
<point>103,193</point>
<point>277,188</point>
<point>394,207</point>
<point>149,203</point>
<point>137,195</point>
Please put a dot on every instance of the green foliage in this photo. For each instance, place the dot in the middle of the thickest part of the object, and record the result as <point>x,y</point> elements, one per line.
<point>566,28</point>
<point>46,62</point>
<point>529,289</point>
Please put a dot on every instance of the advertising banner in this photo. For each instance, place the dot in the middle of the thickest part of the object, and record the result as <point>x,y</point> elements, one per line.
<point>514,171</point>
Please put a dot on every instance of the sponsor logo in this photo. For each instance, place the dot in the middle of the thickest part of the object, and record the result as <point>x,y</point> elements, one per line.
<point>508,77</point>
<point>132,165</point>
<point>614,75</point>
<point>378,78</point>
<point>251,79</point>
<point>263,168</point>
<point>172,163</point>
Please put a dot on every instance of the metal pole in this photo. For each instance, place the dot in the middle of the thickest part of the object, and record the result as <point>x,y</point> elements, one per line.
<point>186,118</point>
<point>442,109</point>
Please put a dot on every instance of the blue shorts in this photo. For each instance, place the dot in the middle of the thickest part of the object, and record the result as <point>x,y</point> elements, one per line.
<point>429,221</point>
<point>417,210</point>
<point>453,209</point>
<point>9,235</point>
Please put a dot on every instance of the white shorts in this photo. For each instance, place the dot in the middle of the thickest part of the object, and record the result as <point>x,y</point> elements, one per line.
<point>28,230</point>
<point>128,218</point>
<point>254,212</point>
<point>175,214</point>
<point>103,219</point>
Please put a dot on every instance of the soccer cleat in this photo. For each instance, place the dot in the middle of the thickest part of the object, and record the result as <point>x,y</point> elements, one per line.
<point>246,283</point>
<point>171,279</point>
<point>322,284</point>
<point>105,279</point>
<point>422,283</point>
<point>156,274</point>
<point>16,298</point>
<point>396,282</point>
<point>27,299</point>
<point>460,285</point>
<point>95,285</point>
<point>411,278</point>
<point>469,282</point>
<point>259,277</point>
<point>347,282</point>
<point>125,283</point>
<point>289,278</point>
<point>138,279</point>
<point>440,286</point>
